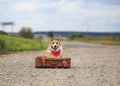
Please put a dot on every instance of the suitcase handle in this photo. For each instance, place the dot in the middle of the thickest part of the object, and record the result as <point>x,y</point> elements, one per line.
<point>54,63</point>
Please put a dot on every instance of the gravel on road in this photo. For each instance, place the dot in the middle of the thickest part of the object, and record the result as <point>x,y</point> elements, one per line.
<point>91,66</point>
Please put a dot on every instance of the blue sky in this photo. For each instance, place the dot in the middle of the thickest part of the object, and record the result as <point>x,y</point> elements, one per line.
<point>62,15</point>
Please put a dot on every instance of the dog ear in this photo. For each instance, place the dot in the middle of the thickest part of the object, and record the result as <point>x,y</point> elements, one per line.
<point>51,39</point>
<point>55,39</point>
<point>58,39</point>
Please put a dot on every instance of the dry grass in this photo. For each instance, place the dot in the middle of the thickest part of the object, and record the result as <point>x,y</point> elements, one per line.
<point>99,40</point>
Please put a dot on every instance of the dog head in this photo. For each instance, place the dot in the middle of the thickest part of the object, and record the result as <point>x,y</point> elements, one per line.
<point>55,44</point>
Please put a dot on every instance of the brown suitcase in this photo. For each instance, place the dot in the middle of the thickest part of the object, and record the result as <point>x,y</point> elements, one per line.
<point>44,62</point>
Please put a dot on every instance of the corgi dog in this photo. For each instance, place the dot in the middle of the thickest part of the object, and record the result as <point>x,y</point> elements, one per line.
<point>54,49</point>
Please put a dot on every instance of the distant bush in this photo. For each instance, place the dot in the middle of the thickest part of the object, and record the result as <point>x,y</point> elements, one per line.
<point>50,34</point>
<point>40,38</point>
<point>26,33</point>
<point>76,35</point>
<point>3,33</point>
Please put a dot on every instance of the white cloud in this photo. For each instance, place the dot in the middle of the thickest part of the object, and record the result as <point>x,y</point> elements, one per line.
<point>31,6</point>
<point>98,9</point>
<point>68,8</point>
<point>26,6</point>
<point>61,15</point>
<point>71,6</point>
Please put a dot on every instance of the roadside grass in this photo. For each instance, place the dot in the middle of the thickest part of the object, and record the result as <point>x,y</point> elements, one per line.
<point>99,40</point>
<point>14,43</point>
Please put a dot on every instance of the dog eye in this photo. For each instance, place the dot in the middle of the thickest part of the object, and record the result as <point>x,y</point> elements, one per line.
<point>56,42</point>
<point>52,42</point>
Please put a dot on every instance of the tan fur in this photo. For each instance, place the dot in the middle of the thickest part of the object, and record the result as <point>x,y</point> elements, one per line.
<point>51,43</point>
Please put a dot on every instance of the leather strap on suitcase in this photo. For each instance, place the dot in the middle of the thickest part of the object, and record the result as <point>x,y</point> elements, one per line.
<point>43,61</point>
<point>64,63</point>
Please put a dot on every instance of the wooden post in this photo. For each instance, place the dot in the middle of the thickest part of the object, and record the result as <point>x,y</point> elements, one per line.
<point>11,29</point>
<point>8,23</point>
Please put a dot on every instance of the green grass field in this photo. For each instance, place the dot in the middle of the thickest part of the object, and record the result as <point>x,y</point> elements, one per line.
<point>99,40</point>
<point>13,43</point>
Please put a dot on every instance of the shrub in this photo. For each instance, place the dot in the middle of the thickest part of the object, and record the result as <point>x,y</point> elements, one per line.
<point>26,33</point>
<point>3,33</point>
<point>50,34</point>
<point>76,35</point>
<point>40,38</point>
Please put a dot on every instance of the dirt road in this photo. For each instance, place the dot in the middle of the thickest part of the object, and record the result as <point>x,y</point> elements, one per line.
<point>92,65</point>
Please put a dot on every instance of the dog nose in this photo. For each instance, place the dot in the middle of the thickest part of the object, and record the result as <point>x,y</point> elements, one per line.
<point>55,46</point>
